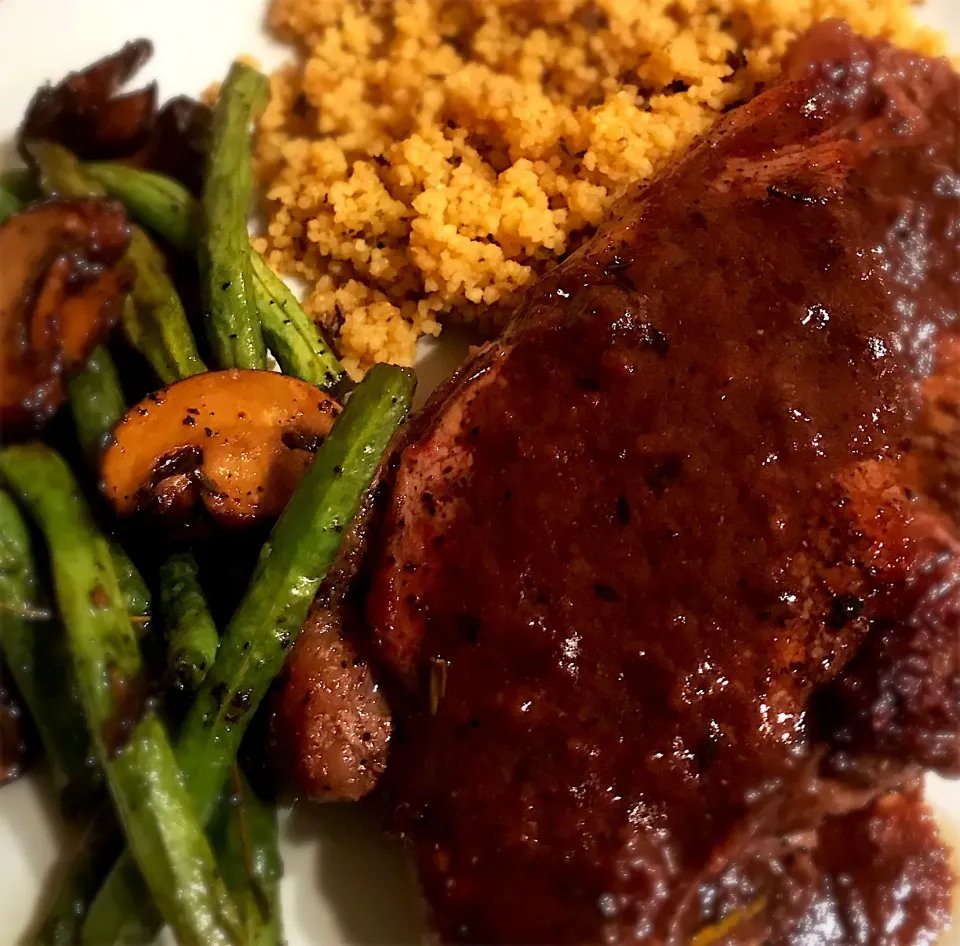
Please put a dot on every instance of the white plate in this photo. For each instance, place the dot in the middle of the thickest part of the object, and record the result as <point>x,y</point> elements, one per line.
<point>344,882</point>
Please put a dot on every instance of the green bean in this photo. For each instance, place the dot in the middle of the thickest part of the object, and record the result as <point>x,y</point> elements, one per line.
<point>60,173</point>
<point>181,599</point>
<point>153,200</point>
<point>153,316</point>
<point>21,184</point>
<point>163,205</point>
<point>9,204</point>
<point>18,581</point>
<point>301,548</point>
<point>193,637</point>
<point>233,325</point>
<point>92,858</point>
<point>97,403</point>
<point>136,596</point>
<point>36,655</point>
<point>17,188</point>
<point>131,743</point>
<point>103,841</point>
<point>244,835</point>
<point>154,320</point>
<point>290,333</point>
<point>156,201</point>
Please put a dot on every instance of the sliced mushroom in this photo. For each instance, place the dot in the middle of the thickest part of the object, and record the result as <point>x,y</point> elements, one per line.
<point>233,443</point>
<point>84,112</point>
<point>179,142</point>
<point>62,284</point>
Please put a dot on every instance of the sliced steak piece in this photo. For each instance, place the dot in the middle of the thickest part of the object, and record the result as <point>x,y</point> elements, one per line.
<point>630,553</point>
<point>328,726</point>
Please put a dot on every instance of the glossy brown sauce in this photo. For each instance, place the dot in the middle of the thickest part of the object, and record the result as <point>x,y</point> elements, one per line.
<point>688,492</point>
<point>878,875</point>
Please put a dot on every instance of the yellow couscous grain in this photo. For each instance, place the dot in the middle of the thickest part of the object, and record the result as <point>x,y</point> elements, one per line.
<point>423,160</point>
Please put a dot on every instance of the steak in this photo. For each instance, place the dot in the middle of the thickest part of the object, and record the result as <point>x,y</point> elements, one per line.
<point>328,727</point>
<point>876,874</point>
<point>670,569</point>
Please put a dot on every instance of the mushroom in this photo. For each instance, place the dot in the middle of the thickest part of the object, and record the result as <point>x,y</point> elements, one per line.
<point>61,289</point>
<point>85,114</point>
<point>235,443</point>
<point>179,143</point>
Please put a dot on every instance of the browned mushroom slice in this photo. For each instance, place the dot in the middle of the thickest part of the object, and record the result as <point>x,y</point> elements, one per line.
<point>236,442</point>
<point>84,112</point>
<point>179,142</point>
<point>61,289</point>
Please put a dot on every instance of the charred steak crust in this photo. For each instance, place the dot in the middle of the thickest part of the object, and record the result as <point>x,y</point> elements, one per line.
<point>672,544</point>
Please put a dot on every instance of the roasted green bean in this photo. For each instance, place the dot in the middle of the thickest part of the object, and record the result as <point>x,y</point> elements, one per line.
<point>244,836</point>
<point>290,333</point>
<point>193,637</point>
<point>159,203</point>
<point>20,183</point>
<point>9,204</point>
<point>163,205</point>
<point>233,325</point>
<point>149,794</point>
<point>93,857</point>
<point>36,654</point>
<point>136,595</point>
<point>96,402</point>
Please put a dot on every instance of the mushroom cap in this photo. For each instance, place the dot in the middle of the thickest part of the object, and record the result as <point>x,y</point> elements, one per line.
<point>235,443</point>
<point>61,289</point>
<point>86,113</point>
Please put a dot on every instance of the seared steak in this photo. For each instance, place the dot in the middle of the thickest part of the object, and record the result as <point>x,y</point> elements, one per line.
<point>876,875</point>
<point>669,569</point>
<point>328,727</point>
